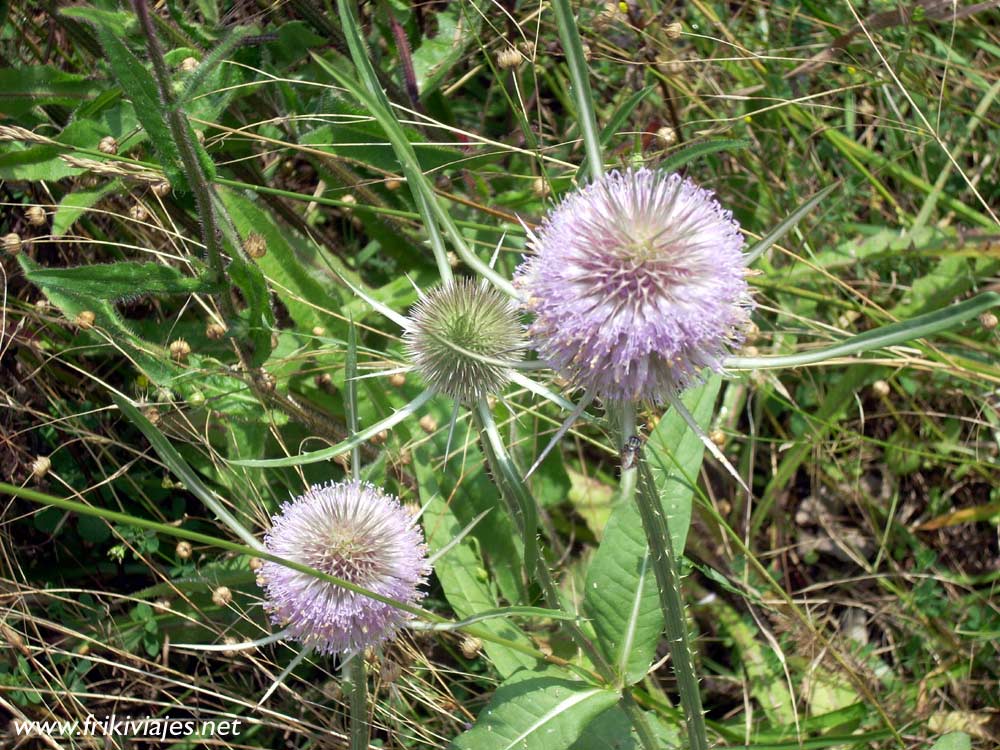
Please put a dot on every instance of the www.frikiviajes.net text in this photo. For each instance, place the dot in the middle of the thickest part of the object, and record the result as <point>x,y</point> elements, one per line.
<point>128,726</point>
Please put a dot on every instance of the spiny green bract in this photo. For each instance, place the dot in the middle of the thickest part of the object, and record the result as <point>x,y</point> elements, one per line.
<point>463,338</point>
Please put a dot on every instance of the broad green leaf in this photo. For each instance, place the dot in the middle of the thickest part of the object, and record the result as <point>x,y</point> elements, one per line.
<point>139,86</point>
<point>461,570</point>
<point>29,86</point>
<point>674,455</point>
<point>621,596</point>
<point>536,711</point>
<point>457,28</point>
<point>953,741</point>
<point>249,278</point>
<point>306,288</point>
<point>74,205</point>
<point>115,281</point>
<point>613,730</point>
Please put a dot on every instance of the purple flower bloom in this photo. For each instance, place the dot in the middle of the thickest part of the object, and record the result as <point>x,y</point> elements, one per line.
<point>637,284</point>
<point>354,531</point>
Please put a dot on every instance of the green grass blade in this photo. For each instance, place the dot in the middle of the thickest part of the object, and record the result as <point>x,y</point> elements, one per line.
<point>788,224</point>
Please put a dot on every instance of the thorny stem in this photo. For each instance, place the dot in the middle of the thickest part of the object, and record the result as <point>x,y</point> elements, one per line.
<point>181,132</point>
<point>355,674</point>
<point>669,583</point>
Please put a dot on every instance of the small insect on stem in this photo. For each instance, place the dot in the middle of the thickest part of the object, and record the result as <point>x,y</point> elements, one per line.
<point>630,452</point>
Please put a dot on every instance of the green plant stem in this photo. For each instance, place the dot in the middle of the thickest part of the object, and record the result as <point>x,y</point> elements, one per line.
<point>669,583</point>
<point>181,132</point>
<point>356,675</point>
<point>918,327</point>
<point>579,74</point>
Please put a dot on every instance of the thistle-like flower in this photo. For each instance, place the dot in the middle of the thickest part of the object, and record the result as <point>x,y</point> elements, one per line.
<point>354,531</point>
<point>464,337</point>
<point>637,284</point>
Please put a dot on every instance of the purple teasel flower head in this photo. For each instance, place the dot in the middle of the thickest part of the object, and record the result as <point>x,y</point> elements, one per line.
<point>637,283</point>
<point>464,337</point>
<point>354,531</point>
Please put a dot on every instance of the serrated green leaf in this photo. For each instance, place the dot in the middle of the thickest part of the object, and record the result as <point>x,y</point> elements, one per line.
<point>29,86</point>
<point>74,205</point>
<point>458,570</point>
<point>115,281</point>
<point>536,711</point>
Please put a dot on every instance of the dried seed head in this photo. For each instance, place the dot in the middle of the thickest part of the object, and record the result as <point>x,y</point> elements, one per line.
<point>35,216</point>
<point>540,187</point>
<point>668,135</point>
<point>266,381</point>
<point>350,202</point>
<point>138,212</point>
<point>183,550</point>
<point>222,596</point>
<point>318,331</point>
<point>471,647</point>
<point>718,437</point>
<point>12,243</point>
<point>354,531</point>
<point>255,563</point>
<point>673,30</point>
<point>509,57</point>
<point>988,321</point>
<point>751,332</point>
<point>108,145</point>
<point>40,467</point>
<point>428,424</point>
<point>881,388</point>
<point>255,245</point>
<point>230,652</point>
<point>161,189</point>
<point>188,65</point>
<point>393,184</point>
<point>397,380</point>
<point>215,331</point>
<point>196,399</point>
<point>180,349</point>
<point>637,286</point>
<point>463,338</point>
<point>153,415</point>
<point>85,319</point>
<point>379,438</point>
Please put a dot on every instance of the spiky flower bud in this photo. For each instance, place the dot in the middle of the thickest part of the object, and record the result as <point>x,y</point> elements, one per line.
<point>35,216</point>
<point>356,532</point>
<point>463,337</point>
<point>637,285</point>
<point>108,145</point>
<point>673,30</point>
<point>255,245</point>
<point>12,243</point>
